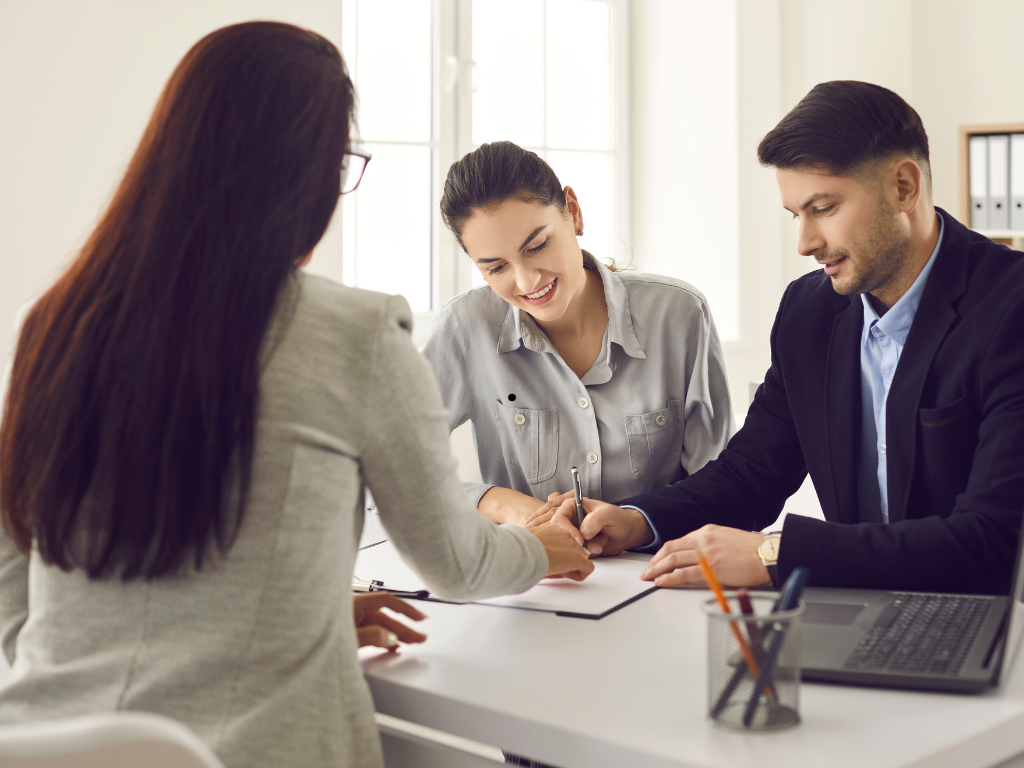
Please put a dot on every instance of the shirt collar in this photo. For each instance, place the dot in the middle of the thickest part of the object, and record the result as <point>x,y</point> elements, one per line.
<point>897,321</point>
<point>520,327</point>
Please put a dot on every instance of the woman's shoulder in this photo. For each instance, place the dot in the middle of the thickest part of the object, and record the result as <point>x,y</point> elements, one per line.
<point>357,309</point>
<point>661,292</point>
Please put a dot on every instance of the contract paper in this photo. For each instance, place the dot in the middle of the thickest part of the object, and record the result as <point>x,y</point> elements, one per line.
<point>614,583</point>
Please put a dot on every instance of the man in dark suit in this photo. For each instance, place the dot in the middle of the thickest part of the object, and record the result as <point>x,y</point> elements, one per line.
<point>897,382</point>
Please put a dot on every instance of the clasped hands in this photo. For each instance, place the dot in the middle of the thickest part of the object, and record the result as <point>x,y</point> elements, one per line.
<point>610,530</point>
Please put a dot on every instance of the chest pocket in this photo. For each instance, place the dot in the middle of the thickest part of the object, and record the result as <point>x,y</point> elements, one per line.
<point>653,439</point>
<point>530,440</point>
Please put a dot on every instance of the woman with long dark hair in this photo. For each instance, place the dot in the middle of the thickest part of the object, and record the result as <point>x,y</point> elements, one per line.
<point>562,360</point>
<point>191,422</point>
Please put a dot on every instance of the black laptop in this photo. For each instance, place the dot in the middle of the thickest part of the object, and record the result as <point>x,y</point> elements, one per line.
<point>912,639</point>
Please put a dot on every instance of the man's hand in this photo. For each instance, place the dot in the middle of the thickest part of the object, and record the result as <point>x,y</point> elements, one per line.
<point>732,554</point>
<point>609,530</point>
<point>374,627</point>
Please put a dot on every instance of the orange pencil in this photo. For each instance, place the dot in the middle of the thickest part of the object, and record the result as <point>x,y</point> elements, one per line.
<point>723,603</point>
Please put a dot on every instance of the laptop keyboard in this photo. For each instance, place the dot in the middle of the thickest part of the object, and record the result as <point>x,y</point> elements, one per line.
<point>921,633</point>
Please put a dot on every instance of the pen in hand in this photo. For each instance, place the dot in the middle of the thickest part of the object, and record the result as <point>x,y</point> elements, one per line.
<point>578,495</point>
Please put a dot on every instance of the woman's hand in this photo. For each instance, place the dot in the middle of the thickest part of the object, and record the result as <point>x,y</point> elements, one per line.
<point>374,627</point>
<point>566,558</point>
<point>504,505</point>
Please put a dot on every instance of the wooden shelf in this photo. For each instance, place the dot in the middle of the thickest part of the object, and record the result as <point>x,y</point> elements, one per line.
<point>966,131</point>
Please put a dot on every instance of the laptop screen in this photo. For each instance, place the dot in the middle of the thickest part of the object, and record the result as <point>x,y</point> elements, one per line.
<point>1016,614</point>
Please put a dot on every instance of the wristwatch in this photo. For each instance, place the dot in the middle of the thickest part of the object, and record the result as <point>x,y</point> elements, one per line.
<point>768,551</point>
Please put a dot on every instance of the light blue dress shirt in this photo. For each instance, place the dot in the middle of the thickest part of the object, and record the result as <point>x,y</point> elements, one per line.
<point>881,344</point>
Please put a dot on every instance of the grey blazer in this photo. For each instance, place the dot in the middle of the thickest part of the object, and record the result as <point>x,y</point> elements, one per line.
<point>257,652</point>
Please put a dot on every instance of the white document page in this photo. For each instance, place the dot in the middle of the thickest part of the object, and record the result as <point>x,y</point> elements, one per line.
<point>614,582</point>
<point>373,530</point>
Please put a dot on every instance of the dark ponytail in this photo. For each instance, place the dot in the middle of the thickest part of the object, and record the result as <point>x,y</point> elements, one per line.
<point>492,173</point>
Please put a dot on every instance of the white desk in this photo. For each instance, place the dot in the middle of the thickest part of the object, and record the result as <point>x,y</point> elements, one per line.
<point>629,690</point>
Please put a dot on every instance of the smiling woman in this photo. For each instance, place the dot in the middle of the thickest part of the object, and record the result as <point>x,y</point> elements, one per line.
<point>561,361</point>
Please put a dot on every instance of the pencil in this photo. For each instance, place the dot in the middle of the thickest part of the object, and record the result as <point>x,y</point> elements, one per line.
<point>723,603</point>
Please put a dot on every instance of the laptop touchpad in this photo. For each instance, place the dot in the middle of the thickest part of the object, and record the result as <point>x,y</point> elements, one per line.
<point>835,614</point>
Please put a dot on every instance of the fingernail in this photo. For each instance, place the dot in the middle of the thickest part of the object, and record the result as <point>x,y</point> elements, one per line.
<point>391,640</point>
<point>643,574</point>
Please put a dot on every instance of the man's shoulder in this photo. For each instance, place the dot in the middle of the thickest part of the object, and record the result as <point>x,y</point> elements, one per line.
<point>814,292</point>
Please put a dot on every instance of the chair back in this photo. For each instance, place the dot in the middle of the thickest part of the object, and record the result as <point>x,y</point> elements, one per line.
<point>107,740</point>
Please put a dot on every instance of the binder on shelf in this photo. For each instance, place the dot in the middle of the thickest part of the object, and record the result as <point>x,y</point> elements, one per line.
<point>977,161</point>
<point>1017,181</point>
<point>998,181</point>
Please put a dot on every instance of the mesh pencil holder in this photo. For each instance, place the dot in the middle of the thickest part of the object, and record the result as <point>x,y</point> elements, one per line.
<point>753,665</point>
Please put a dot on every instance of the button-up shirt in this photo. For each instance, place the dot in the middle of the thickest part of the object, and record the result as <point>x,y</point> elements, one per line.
<point>653,407</point>
<point>882,342</point>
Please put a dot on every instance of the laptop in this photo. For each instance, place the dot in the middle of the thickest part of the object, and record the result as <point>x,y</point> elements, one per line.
<point>912,639</point>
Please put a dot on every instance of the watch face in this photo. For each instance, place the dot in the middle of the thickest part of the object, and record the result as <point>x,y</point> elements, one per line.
<point>769,549</point>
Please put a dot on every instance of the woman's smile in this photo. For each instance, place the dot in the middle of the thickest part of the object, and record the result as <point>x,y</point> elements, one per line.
<point>543,296</point>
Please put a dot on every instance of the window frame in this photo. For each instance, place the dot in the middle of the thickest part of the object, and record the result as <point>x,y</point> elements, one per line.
<point>452,121</point>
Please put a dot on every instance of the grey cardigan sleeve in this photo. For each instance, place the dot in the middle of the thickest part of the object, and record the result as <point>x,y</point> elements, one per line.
<point>410,470</point>
<point>13,594</point>
<point>13,564</point>
<point>447,356</point>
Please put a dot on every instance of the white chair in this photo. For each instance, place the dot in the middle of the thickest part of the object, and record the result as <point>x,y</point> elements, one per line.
<point>108,740</point>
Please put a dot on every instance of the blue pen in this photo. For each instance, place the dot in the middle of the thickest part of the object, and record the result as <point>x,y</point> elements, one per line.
<point>788,600</point>
<point>579,501</point>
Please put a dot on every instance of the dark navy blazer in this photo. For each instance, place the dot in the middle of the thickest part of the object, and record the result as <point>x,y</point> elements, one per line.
<point>955,435</point>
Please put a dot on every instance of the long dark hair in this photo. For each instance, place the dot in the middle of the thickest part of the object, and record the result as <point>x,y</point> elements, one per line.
<point>492,173</point>
<point>128,430</point>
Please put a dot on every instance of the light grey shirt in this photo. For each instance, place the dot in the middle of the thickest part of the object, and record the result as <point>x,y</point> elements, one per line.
<point>257,652</point>
<point>654,407</point>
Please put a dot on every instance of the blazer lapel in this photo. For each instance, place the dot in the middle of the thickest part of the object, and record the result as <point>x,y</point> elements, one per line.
<point>934,318</point>
<point>842,405</point>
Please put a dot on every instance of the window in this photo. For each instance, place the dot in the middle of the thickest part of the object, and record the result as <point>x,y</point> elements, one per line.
<point>436,78</point>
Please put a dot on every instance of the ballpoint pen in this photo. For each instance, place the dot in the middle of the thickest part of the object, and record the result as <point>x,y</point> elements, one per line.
<point>747,609</point>
<point>579,501</point>
<point>723,603</point>
<point>789,599</point>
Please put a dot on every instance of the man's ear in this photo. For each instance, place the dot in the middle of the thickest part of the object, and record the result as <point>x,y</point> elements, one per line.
<point>906,179</point>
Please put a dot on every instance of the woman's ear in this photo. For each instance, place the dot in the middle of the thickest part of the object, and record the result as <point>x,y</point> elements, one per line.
<point>572,206</point>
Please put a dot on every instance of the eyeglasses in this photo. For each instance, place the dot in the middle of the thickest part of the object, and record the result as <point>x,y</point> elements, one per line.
<point>352,169</point>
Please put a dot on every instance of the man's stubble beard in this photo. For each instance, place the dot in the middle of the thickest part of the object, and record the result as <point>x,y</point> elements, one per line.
<point>881,257</point>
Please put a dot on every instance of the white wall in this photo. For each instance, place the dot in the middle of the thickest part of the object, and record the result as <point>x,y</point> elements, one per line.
<point>684,106</point>
<point>956,61</point>
<point>78,81</point>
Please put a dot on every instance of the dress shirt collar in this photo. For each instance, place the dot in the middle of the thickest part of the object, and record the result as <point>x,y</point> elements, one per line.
<point>897,321</point>
<point>520,327</point>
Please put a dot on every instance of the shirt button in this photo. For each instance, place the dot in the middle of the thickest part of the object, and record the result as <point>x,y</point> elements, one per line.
<point>592,457</point>
<point>519,419</point>
<point>584,403</point>
<point>888,383</point>
<point>883,447</point>
<point>660,421</point>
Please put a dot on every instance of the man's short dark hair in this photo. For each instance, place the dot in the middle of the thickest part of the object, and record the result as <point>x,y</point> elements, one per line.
<point>843,125</point>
